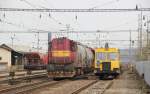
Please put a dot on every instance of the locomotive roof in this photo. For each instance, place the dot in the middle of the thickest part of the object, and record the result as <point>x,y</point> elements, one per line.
<point>72,41</point>
<point>32,54</point>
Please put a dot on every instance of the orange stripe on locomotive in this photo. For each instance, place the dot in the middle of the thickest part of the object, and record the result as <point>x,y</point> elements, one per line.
<point>61,51</point>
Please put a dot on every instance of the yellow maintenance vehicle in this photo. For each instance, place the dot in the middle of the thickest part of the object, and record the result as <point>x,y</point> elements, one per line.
<point>107,61</point>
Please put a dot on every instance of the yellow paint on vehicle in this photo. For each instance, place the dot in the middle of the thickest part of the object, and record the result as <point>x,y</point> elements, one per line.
<point>115,64</point>
<point>106,50</point>
<point>61,53</point>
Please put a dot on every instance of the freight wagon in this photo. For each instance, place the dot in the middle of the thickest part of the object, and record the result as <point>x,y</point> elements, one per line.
<point>34,61</point>
<point>68,58</point>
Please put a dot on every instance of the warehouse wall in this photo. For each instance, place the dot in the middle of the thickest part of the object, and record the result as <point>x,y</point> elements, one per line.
<point>5,60</point>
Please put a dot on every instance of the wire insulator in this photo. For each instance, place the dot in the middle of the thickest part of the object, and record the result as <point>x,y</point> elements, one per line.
<point>40,16</point>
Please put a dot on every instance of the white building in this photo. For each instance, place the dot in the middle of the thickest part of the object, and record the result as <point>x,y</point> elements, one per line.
<point>8,58</point>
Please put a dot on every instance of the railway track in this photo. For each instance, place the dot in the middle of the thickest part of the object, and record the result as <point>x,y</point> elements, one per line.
<point>96,87</point>
<point>28,87</point>
<point>23,77</point>
<point>82,88</point>
<point>6,74</point>
<point>72,87</point>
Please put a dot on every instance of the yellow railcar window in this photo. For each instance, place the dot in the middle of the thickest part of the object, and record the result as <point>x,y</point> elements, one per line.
<point>113,56</point>
<point>107,56</point>
<point>100,56</point>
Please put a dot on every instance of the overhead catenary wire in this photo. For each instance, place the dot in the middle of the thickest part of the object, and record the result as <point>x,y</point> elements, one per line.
<point>28,29</point>
<point>122,24</point>
<point>28,3</point>
<point>49,31</point>
<point>39,6</point>
<point>54,9</point>
<point>49,14</point>
<point>20,26</point>
<point>74,10</point>
<point>104,4</point>
<point>75,31</point>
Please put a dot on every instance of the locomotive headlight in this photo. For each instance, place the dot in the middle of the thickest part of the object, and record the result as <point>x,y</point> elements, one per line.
<point>118,71</point>
<point>95,71</point>
<point>98,63</point>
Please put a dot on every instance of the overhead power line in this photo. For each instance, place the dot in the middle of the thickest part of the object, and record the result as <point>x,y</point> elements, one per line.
<point>106,40</point>
<point>39,6</point>
<point>74,10</point>
<point>83,31</point>
<point>104,4</point>
<point>30,4</point>
<point>20,26</point>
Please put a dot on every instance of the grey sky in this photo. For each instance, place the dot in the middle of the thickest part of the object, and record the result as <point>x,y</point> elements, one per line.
<point>57,21</point>
<point>75,3</point>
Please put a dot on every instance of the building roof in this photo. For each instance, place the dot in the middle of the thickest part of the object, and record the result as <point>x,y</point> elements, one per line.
<point>4,46</point>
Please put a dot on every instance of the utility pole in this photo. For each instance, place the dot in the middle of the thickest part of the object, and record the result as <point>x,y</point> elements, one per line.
<point>99,38</point>
<point>38,42</point>
<point>12,40</point>
<point>148,21</point>
<point>130,38</point>
<point>141,28</point>
<point>68,28</point>
<point>49,45</point>
<point>140,33</point>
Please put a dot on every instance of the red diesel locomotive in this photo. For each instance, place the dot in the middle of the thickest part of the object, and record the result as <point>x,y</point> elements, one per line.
<point>68,58</point>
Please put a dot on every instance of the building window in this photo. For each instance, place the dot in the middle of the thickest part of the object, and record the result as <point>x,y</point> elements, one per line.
<point>0,58</point>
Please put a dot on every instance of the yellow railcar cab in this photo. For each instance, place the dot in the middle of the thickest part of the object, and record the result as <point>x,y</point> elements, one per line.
<point>107,61</point>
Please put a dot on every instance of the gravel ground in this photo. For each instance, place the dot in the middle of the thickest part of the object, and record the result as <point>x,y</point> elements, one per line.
<point>2,86</point>
<point>124,87</point>
<point>6,85</point>
<point>127,83</point>
<point>97,88</point>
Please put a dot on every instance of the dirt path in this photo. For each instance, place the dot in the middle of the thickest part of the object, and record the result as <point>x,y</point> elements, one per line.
<point>127,83</point>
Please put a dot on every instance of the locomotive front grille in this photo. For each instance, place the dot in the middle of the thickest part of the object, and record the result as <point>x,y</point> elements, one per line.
<point>60,67</point>
<point>106,66</point>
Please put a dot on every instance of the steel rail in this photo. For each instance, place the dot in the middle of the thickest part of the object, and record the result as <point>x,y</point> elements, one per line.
<point>33,87</point>
<point>10,90</point>
<point>26,88</point>
<point>85,87</point>
<point>32,76</point>
<point>101,91</point>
